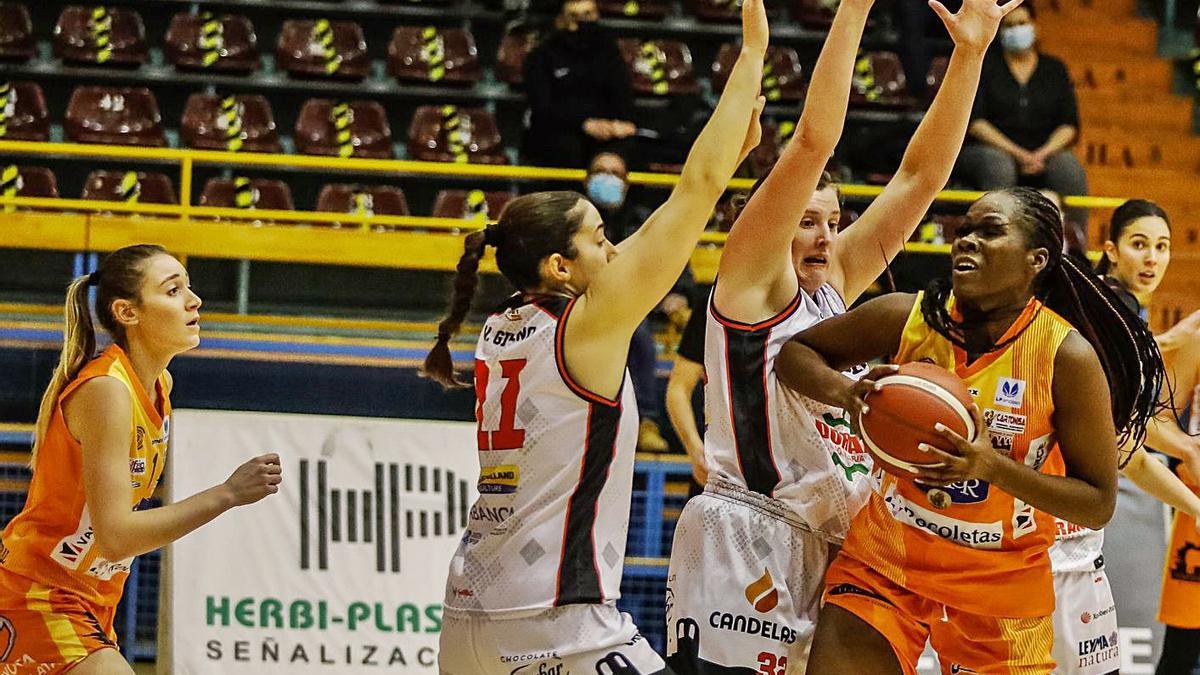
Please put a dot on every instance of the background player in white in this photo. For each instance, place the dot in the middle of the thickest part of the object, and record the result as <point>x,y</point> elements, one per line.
<point>534,583</point>
<point>1137,254</point>
<point>786,475</point>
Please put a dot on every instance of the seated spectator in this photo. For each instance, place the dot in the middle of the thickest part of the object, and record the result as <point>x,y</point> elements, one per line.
<point>580,101</point>
<point>1025,119</point>
<point>607,188</point>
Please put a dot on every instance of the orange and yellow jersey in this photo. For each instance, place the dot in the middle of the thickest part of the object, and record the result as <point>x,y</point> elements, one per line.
<point>51,540</point>
<point>970,545</point>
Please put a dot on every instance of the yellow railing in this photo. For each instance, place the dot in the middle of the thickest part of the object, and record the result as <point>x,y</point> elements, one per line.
<point>412,241</point>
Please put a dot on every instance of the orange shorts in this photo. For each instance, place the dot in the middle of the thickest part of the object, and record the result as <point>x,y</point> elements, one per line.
<point>42,626</point>
<point>965,642</point>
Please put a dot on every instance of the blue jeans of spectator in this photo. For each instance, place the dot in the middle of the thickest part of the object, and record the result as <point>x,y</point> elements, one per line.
<point>643,361</point>
<point>985,167</point>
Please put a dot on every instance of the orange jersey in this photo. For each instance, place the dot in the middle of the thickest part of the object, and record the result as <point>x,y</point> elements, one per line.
<point>971,545</point>
<point>1180,603</point>
<point>51,540</point>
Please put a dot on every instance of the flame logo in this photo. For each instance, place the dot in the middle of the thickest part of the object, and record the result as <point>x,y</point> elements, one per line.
<point>762,594</point>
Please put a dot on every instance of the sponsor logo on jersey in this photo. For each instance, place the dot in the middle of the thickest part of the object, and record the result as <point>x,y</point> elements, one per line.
<point>1004,422</point>
<point>1002,442</point>
<point>957,668</point>
<point>528,658</point>
<point>72,548</point>
<point>556,667</point>
<point>1010,392</point>
<point>847,449</point>
<point>1066,530</point>
<point>971,491</point>
<point>104,570</point>
<point>500,480</point>
<point>141,436</point>
<point>761,593</point>
<point>752,626</point>
<point>1039,450</point>
<point>1099,649</point>
<point>512,314</point>
<point>973,392</point>
<point>8,638</point>
<point>1023,522</point>
<point>974,535</point>
<point>137,466</point>
<point>491,514</point>
<point>1087,617</point>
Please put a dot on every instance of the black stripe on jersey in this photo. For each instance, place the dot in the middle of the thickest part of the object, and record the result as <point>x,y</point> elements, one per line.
<point>579,569</point>
<point>560,332</point>
<point>746,377</point>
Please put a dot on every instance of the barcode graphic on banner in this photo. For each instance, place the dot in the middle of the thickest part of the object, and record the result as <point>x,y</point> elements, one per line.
<point>380,515</point>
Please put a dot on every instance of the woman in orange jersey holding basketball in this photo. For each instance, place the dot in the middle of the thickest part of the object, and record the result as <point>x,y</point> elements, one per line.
<point>959,553</point>
<point>98,454</point>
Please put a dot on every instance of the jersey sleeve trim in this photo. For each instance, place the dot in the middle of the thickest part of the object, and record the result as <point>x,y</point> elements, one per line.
<point>560,332</point>
<point>761,325</point>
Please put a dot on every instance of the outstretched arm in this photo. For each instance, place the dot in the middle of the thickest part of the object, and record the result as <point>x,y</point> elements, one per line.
<point>1157,480</point>
<point>756,274</point>
<point>865,249</point>
<point>98,415</point>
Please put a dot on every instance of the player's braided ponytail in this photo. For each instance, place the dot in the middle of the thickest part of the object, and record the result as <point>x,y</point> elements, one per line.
<point>1126,348</point>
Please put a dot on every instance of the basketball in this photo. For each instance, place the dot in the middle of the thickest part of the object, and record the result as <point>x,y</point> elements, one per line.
<point>903,412</point>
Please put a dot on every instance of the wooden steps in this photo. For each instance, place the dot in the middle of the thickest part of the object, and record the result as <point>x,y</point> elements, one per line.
<point>1097,34</point>
<point>1127,74</point>
<point>1168,116</point>
<point>1116,147</point>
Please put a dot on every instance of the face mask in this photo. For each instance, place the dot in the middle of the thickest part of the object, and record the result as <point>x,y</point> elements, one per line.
<point>1017,38</point>
<point>606,190</point>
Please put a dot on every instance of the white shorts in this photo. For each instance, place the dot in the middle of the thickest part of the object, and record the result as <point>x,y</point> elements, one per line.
<point>1085,624</point>
<point>581,639</point>
<point>744,586</point>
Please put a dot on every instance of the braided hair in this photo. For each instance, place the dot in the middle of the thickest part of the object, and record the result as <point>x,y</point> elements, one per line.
<point>1132,363</point>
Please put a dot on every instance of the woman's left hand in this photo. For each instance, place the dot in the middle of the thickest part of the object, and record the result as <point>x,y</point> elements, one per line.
<point>975,459</point>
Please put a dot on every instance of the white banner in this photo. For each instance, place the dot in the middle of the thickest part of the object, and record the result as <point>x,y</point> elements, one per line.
<point>344,570</point>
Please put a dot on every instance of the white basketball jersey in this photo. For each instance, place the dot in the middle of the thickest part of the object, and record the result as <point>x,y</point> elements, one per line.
<point>767,438</point>
<point>1076,548</point>
<point>556,473</point>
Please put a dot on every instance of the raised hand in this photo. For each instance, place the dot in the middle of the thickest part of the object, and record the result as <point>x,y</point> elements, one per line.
<point>976,23</point>
<point>754,131</point>
<point>255,479</point>
<point>755,32</point>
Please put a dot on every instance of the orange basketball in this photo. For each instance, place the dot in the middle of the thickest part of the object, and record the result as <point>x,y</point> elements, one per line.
<point>903,412</point>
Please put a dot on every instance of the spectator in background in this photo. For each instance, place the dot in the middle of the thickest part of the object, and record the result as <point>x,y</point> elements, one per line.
<point>1025,119</point>
<point>580,101</point>
<point>686,374</point>
<point>607,187</point>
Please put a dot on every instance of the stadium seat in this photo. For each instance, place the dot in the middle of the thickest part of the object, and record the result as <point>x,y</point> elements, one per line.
<point>814,14</point>
<point>659,67</point>
<point>100,35</point>
<point>783,79</point>
<point>937,73</point>
<point>879,81</point>
<point>23,113</point>
<point>382,200</point>
<point>114,115</point>
<point>652,10</point>
<point>129,186</point>
<point>233,123</point>
<point>343,129</point>
<point>715,10</point>
<point>433,55</point>
<point>247,193</point>
<point>775,136</point>
<point>470,204</point>
<point>225,43</point>
<point>515,45</point>
<point>448,133</point>
<point>16,33</point>
<point>26,181</point>
<point>323,48</point>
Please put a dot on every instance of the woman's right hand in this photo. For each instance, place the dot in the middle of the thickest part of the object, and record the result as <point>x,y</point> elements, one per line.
<point>854,398</point>
<point>255,479</point>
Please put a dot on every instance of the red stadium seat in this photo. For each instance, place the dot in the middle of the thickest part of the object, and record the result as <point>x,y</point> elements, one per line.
<point>659,67</point>
<point>26,181</point>
<point>783,79</point>
<point>879,81</point>
<point>937,73</point>
<point>343,129</point>
<point>225,43</point>
<point>323,48</point>
<point>815,14</point>
<point>775,137</point>
<point>516,44</point>
<point>448,133</point>
<point>433,55</point>
<point>129,186</point>
<point>652,10</point>
<point>16,33</point>
<point>232,123</point>
<point>382,200</point>
<point>23,113</point>
<point>114,115</point>
<point>716,10</point>
<point>101,35</point>
<point>247,193</point>
<point>470,204</point>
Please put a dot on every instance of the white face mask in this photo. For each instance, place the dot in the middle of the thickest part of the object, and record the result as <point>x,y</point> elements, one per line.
<point>1017,38</point>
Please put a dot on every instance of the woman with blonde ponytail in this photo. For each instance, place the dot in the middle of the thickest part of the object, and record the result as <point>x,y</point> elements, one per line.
<point>535,580</point>
<point>99,452</point>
